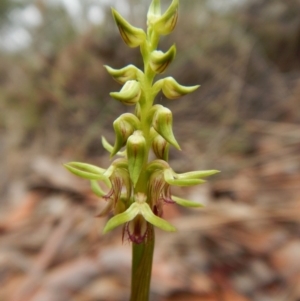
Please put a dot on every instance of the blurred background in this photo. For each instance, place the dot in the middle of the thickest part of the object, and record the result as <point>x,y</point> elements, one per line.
<point>244,120</point>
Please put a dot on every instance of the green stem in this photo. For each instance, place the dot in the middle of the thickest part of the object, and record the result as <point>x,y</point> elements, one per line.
<point>142,255</point>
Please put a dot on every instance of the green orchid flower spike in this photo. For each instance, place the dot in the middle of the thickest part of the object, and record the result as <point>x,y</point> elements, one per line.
<point>137,187</point>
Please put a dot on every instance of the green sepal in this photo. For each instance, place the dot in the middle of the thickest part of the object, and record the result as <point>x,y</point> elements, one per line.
<point>157,86</point>
<point>170,179</point>
<point>97,189</point>
<point>123,174</point>
<point>155,220</point>
<point>167,22</point>
<point>122,130</point>
<point>154,11</point>
<point>159,61</point>
<point>197,174</point>
<point>162,123</point>
<point>122,218</point>
<point>86,171</point>
<point>185,203</point>
<point>173,90</point>
<point>185,182</point>
<point>138,208</point>
<point>160,147</point>
<point>131,35</point>
<point>124,126</point>
<point>157,165</point>
<point>121,163</point>
<point>129,94</point>
<point>136,152</point>
<point>125,74</point>
<point>107,146</point>
<point>132,119</point>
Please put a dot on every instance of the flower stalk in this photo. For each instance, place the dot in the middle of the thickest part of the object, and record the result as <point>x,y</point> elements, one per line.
<point>138,188</point>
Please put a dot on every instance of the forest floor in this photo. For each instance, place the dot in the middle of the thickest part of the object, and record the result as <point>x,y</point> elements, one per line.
<point>243,245</point>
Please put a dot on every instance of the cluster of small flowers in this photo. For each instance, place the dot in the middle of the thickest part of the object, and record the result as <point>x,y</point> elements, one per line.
<point>138,189</point>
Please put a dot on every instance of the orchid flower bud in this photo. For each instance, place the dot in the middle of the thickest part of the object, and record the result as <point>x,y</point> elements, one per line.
<point>165,23</point>
<point>173,90</point>
<point>136,153</point>
<point>159,61</point>
<point>129,94</point>
<point>123,129</point>
<point>131,35</point>
<point>124,126</point>
<point>125,74</point>
<point>154,12</point>
<point>162,123</point>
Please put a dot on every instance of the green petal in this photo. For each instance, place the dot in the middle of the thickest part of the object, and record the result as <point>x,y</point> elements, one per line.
<point>197,174</point>
<point>120,163</point>
<point>155,220</point>
<point>97,189</point>
<point>122,218</point>
<point>157,165</point>
<point>86,171</point>
<point>107,145</point>
<point>185,203</point>
<point>185,182</point>
<point>169,178</point>
<point>154,9</point>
